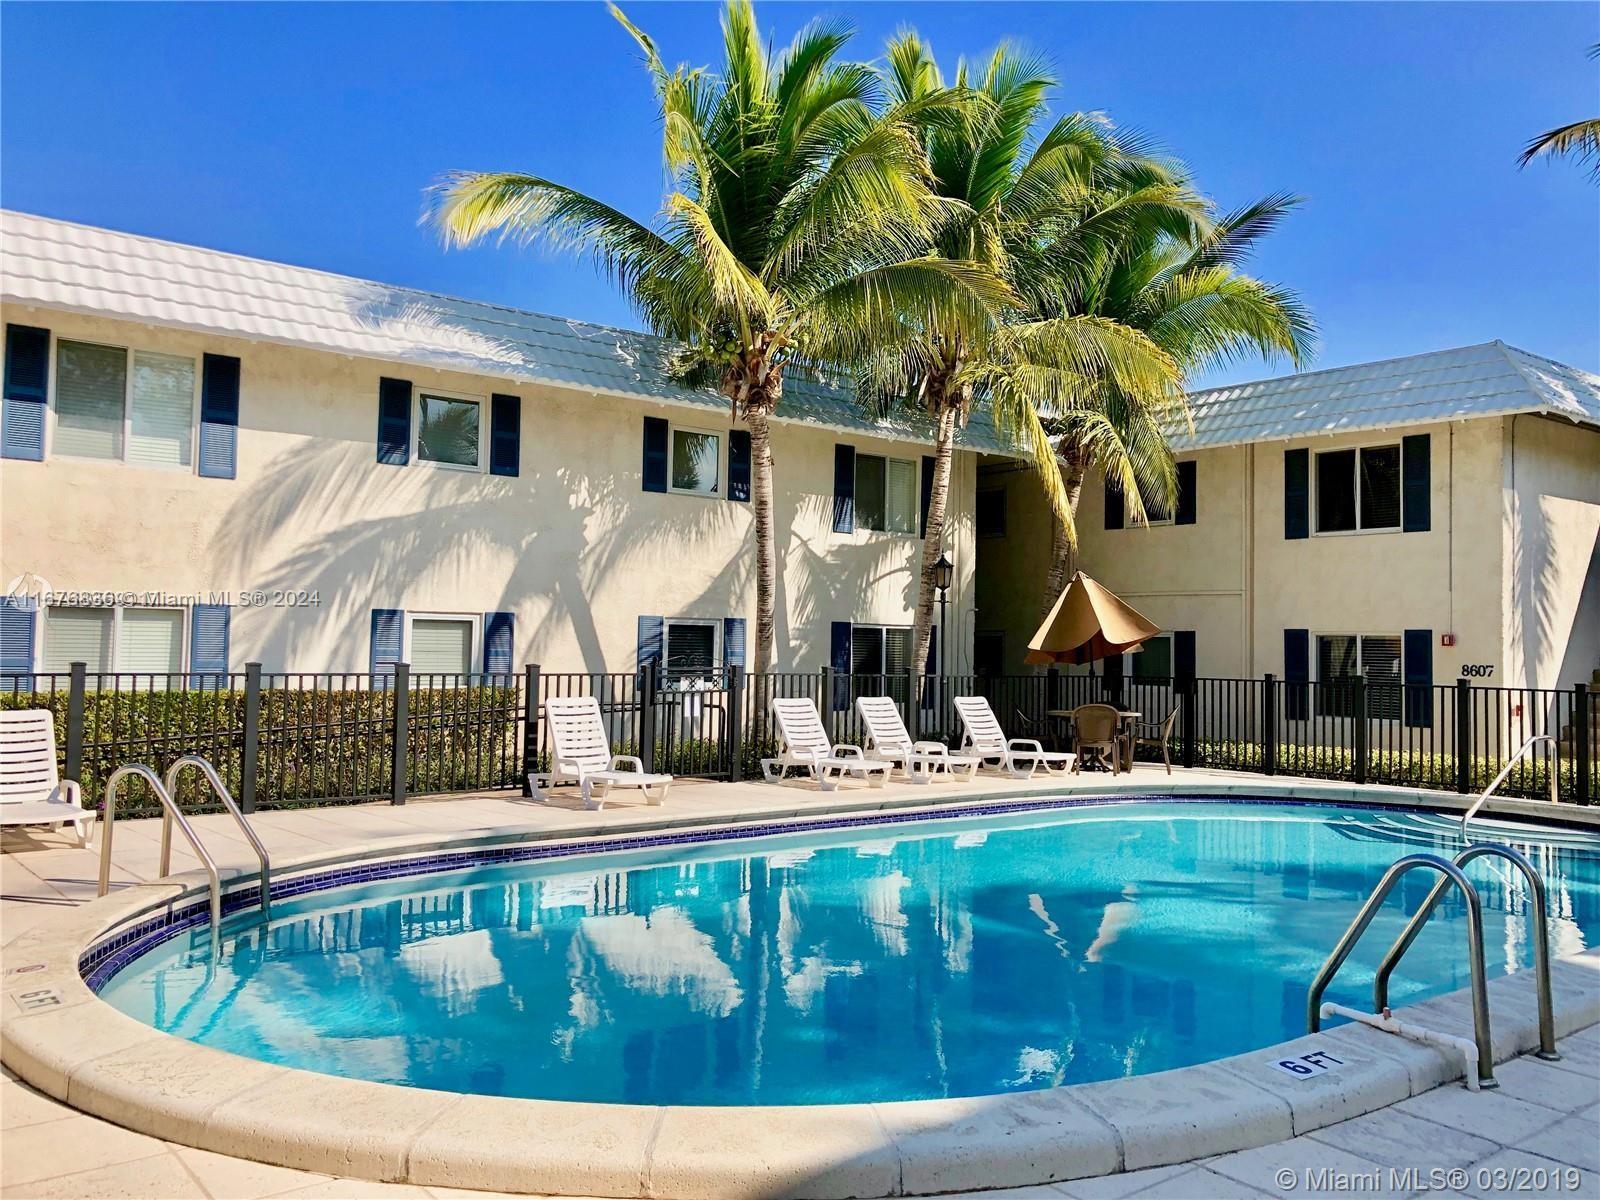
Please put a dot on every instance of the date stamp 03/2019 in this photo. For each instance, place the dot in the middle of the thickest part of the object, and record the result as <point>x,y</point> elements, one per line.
<point>1484,1180</point>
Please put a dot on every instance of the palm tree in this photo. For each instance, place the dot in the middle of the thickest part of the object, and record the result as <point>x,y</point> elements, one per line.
<point>791,236</point>
<point>1020,192</point>
<point>1581,139</point>
<point>1185,290</point>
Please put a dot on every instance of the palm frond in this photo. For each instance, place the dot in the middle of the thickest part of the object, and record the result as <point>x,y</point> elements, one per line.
<point>1580,140</point>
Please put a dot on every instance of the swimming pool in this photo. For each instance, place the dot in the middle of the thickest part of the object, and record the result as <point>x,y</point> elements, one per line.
<point>941,957</point>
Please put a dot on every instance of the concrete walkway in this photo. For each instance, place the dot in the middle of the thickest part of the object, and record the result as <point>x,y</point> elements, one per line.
<point>1539,1135</point>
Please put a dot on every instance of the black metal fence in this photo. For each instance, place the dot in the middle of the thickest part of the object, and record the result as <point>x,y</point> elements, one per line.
<point>304,738</point>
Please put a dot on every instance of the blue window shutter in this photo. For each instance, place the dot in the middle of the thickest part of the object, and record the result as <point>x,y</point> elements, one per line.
<point>388,640</point>
<point>27,378</point>
<point>652,632</point>
<point>1296,495</point>
<point>1114,517</point>
<point>1185,513</point>
<point>655,454</point>
<point>1296,674</point>
<point>505,435</point>
<point>394,423</point>
<point>733,641</point>
<point>1416,478</point>
<point>927,492</point>
<point>499,639</point>
<point>1418,663</point>
<point>844,490</point>
<point>839,660</point>
<point>739,464</point>
<point>219,416</point>
<point>1183,655</point>
<point>208,645</point>
<point>17,620</point>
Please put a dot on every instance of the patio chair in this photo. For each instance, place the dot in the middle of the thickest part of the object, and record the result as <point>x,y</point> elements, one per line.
<point>1019,757</point>
<point>32,792</point>
<point>581,754</point>
<point>888,741</point>
<point>804,744</point>
<point>1157,735</point>
<point>1094,729</point>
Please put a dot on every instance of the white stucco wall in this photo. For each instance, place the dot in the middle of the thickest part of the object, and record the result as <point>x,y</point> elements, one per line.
<point>573,546</point>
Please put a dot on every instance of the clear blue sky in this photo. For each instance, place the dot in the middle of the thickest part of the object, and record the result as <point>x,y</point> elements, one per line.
<point>307,133</point>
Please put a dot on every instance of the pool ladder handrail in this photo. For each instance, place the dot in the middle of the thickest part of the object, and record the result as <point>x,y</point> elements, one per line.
<point>1451,874</point>
<point>170,806</point>
<point>209,772</point>
<point>1505,773</point>
<point>1541,940</point>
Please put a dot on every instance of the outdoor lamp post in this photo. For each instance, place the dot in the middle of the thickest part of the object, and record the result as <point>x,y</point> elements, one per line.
<point>943,573</point>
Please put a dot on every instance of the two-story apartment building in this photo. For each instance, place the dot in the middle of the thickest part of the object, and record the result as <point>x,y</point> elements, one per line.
<point>1419,519</point>
<point>210,460</point>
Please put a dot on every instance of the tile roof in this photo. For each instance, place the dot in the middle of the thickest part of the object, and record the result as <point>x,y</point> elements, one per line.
<point>59,264</point>
<point>1493,379</point>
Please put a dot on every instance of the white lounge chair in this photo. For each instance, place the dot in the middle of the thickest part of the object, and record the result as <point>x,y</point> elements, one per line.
<point>1020,757</point>
<point>888,741</point>
<point>32,792</point>
<point>581,754</point>
<point>804,744</point>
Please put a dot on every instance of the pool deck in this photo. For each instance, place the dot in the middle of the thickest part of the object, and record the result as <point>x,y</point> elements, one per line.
<point>1545,1115</point>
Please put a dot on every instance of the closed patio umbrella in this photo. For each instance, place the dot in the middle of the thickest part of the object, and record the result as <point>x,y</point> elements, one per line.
<point>1088,623</point>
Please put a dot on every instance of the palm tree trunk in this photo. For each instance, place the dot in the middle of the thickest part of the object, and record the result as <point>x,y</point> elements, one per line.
<point>766,561</point>
<point>933,536</point>
<point>1074,466</point>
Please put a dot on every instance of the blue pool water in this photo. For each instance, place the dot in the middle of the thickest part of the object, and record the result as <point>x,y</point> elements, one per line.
<point>937,958</point>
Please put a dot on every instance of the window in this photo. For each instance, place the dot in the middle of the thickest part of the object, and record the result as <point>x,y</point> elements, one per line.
<point>989,652</point>
<point>991,513</point>
<point>1342,656</point>
<point>1358,489</point>
<point>114,639</point>
<point>1154,662</point>
<point>880,649</point>
<point>441,645</point>
<point>696,461</point>
<point>104,409</point>
<point>448,429</point>
<point>886,494</point>
<point>690,649</point>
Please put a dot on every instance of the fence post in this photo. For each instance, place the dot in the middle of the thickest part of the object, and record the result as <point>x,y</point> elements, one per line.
<point>530,725</point>
<point>402,729</point>
<point>735,723</point>
<point>913,701</point>
<point>647,716</point>
<point>1269,724</point>
<point>1463,736</point>
<point>76,688</point>
<point>1581,749</point>
<point>826,696</point>
<point>1191,722</point>
<point>1358,719</point>
<point>250,752</point>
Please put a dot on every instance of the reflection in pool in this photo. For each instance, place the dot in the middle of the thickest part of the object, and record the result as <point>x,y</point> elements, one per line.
<point>935,958</point>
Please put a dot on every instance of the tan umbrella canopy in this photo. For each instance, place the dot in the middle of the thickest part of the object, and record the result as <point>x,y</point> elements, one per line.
<point>1088,623</point>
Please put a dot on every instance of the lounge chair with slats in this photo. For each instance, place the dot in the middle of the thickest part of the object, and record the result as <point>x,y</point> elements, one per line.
<point>1018,757</point>
<point>805,745</point>
<point>581,754</point>
<point>888,741</point>
<point>32,791</point>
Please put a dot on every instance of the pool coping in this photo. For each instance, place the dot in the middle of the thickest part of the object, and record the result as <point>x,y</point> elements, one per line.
<point>57,1035</point>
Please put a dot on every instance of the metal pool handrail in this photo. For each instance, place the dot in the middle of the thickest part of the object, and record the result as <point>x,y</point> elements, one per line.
<point>170,807</point>
<point>1480,988</point>
<point>215,780</point>
<point>1541,941</point>
<point>1505,773</point>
